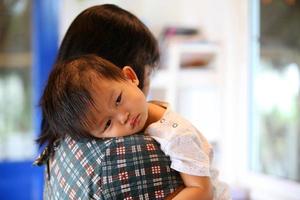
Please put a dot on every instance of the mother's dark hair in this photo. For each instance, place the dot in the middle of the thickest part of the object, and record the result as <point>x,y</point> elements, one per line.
<point>114,34</point>
<point>111,33</point>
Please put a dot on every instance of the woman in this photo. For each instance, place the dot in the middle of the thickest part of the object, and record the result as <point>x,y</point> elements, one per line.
<point>124,168</point>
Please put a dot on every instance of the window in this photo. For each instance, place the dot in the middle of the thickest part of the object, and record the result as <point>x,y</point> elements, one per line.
<point>16,130</point>
<point>275,134</point>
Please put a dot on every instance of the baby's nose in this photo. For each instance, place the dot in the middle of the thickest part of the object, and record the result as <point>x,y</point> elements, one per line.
<point>123,117</point>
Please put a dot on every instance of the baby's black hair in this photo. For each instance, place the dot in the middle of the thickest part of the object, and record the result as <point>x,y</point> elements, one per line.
<point>67,102</point>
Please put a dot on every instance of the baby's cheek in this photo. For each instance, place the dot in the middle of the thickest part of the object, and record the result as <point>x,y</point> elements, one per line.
<point>142,97</point>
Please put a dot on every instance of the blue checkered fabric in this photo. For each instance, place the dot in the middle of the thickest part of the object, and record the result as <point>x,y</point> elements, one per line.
<point>130,167</point>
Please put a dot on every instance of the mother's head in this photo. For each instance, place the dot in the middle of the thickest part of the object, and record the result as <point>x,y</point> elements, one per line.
<point>111,33</point>
<point>114,34</point>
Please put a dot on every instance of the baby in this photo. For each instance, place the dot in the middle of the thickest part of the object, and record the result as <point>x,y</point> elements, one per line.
<point>98,99</point>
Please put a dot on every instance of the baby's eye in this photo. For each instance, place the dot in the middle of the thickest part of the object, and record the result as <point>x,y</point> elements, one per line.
<point>107,125</point>
<point>119,99</point>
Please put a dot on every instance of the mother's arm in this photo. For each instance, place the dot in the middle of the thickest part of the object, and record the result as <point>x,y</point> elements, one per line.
<point>134,166</point>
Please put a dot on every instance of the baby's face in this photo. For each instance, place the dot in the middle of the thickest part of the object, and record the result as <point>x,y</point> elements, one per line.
<point>122,109</point>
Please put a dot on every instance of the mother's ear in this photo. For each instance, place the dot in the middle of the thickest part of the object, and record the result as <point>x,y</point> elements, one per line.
<point>130,74</point>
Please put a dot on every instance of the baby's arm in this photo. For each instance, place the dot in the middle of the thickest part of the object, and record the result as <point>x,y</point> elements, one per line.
<point>197,188</point>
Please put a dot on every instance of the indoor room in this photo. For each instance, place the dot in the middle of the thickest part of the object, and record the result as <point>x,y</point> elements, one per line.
<point>231,68</point>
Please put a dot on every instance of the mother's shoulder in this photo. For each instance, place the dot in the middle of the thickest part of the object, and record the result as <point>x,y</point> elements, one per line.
<point>102,144</point>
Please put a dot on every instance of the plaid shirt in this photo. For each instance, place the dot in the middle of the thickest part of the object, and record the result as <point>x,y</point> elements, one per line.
<point>131,167</point>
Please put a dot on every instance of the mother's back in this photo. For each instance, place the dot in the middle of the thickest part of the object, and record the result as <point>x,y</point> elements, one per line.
<point>131,167</point>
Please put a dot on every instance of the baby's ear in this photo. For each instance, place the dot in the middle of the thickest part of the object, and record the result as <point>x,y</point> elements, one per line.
<point>130,74</point>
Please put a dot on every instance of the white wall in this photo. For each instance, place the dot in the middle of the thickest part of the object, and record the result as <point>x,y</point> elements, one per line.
<point>207,15</point>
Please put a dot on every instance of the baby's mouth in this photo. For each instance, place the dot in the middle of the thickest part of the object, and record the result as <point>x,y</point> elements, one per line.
<point>134,121</point>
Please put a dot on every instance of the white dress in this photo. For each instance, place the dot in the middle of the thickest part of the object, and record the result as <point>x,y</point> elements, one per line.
<point>189,150</point>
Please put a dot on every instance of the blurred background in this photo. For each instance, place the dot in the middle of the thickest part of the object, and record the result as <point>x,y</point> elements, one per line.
<point>232,67</point>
